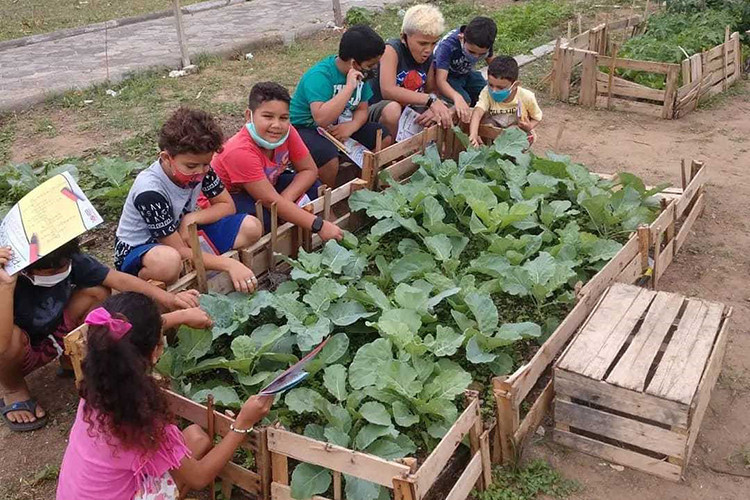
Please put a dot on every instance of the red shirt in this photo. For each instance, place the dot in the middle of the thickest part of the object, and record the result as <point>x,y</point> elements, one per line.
<point>243,161</point>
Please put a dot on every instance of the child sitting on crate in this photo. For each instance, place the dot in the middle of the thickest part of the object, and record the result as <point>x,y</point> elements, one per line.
<point>124,444</point>
<point>153,236</point>
<point>456,57</point>
<point>49,299</point>
<point>267,161</point>
<point>504,103</point>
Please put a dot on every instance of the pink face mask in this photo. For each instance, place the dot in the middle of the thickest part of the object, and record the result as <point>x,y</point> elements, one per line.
<point>185,180</point>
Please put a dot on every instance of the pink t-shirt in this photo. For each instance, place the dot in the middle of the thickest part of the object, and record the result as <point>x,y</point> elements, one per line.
<point>92,469</point>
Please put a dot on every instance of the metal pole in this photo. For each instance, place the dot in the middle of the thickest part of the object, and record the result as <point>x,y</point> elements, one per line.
<point>181,34</point>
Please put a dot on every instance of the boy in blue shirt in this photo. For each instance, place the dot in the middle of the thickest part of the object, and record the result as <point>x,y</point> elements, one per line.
<point>333,95</point>
<point>456,56</point>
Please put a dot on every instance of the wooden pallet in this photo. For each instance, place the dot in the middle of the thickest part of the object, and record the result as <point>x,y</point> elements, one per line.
<point>633,385</point>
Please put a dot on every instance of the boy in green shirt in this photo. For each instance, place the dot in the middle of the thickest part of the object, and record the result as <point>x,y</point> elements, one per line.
<point>333,95</point>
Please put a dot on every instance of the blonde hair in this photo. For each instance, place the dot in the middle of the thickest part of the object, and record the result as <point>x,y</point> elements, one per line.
<point>425,19</point>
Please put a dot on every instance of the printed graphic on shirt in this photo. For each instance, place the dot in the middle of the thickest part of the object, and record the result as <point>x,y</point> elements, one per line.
<point>212,185</point>
<point>412,80</point>
<point>281,163</point>
<point>353,103</point>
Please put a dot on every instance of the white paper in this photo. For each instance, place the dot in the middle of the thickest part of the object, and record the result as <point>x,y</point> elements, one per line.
<point>407,124</point>
<point>354,149</point>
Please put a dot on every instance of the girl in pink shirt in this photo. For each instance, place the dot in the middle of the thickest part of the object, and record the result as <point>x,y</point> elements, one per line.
<point>124,444</point>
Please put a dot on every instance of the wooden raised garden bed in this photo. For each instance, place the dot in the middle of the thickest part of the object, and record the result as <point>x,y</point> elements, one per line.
<point>634,384</point>
<point>698,77</point>
<point>489,441</point>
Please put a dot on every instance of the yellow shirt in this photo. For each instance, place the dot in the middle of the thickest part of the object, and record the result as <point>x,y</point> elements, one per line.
<point>529,109</point>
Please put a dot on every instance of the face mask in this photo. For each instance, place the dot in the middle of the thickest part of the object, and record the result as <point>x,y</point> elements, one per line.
<point>501,95</point>
<point>367,74</point>
<point>186,180</point>
<point>261,141</point>
<point>471,57</point>
<point>50,281</point>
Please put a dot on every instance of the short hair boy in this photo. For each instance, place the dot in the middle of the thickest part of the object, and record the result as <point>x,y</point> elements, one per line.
<point>456,57</point>
<point>504,103</point>
<point>334,95</point>
<point>407,73</point>
<point>49,299</point>
<point>152,236</point>
<point>268,161</point>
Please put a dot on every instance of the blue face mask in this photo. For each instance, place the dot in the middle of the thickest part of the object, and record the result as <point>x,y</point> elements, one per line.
<point>469,56</point>
<point>501,95</point>
<point>261,141</point>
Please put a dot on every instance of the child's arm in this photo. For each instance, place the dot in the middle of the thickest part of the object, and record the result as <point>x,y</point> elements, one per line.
<point>305,176</point>
<point>476,119</point>
<point>462,107</point>
<point>343,131</point>
<point>124,282</point>
<point>222,205</point>
<point>528,125</point>
<point>197,474</point>
<point>7,291</point>
<point>194,317</point>
<point>326,113</point>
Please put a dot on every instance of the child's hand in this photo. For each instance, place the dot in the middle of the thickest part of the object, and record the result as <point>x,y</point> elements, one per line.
<point>462,109</point>
<point>342,131</point>
<point>353,77</point>
<point>184,231</point>
<point>195,318</point>
<point>186,300</point>
<point>242,277</point>
<point>524,125</point>
<point>253,411</point>
<point>330,231</point>
<point>476,141</point>
<point>6,279</point>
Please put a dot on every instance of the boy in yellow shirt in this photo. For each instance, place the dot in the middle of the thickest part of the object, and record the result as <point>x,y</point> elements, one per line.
<point>503,103</point>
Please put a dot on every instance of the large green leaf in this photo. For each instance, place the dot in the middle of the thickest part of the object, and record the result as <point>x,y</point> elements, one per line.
<point>377,296</point>
<point>359,489</point>
<point>403,416</point>
<point>192,343</point>
<point>484,311</point>
<point>375,413</point>
<point>334,349</point>
<point>392,449</point>
<point>310,336</point>
<point>400,377</point>
<point>309,480</point>
<point>370,432</point>
<point>446,341</point>
<point>368,362</point>
<point>346,312</point>
<point>322,293</point>
<point>304,400</point>
<point>447,384</point>
<point>512,142</point>
<point>336,436</point>
<point>223,396</point>
<point>411,297</point>
<point>334,379</point>
<point>411,266</point>
<point>335,256</point>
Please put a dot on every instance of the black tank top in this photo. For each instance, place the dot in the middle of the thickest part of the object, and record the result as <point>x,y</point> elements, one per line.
<point>409,74</point>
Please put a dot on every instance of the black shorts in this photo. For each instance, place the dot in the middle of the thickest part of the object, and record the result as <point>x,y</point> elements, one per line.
<point>323,150</point>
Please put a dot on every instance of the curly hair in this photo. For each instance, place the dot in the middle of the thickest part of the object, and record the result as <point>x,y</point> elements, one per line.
<point>122,400</point>
<point>190,131</point>
<point>267,91</point>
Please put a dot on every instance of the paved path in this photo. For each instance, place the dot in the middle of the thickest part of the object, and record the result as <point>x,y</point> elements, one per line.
<point>30,73</point>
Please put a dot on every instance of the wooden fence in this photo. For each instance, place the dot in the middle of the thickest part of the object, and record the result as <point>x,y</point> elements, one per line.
<point>698,77</point>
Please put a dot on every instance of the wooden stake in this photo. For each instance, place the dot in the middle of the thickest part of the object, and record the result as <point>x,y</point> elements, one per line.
<point>507,418</point>
<point>211,424</point>
<point>580,24</point>
<point>378,141</point>
<point>682,174</point>
<point>559,134</point>
<point>327,204</point>
<point>181,34</point>
<point>336,485</point>
<point>404,489</point>
<point>570,30</point>
<point>274,237</point>
<point>261,216</point>
<point>338,17</point>
<point>612,76</point>
<point>724,57</point>
<point>198,264</point>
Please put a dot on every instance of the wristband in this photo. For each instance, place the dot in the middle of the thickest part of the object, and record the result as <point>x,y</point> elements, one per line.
<point>317,224</point>
<point>240,431</point>
<point>430,100</point>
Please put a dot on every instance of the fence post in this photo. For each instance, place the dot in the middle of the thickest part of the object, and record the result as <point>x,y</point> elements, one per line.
<point>338,16</point>
<point>588,80</point>
<point>670,93</point>
<point>181,34</point>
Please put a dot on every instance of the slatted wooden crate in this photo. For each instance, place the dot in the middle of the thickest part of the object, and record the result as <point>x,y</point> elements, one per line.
<point>633,385</point>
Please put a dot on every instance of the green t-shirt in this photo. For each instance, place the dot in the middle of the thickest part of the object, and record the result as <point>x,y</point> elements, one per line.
<point>319,84</point>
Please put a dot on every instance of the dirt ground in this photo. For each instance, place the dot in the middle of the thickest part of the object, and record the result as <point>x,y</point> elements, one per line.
<point>713,265</point>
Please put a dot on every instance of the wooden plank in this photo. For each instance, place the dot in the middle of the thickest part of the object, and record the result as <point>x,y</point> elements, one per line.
<point>405,489</point>
<point>507,420</point>
<point>670,93</point>
<point>684,360</point>
<point>693,187</point>
<point>610,80</point>
<point>279,468</point>
<point>241,477</point>
<point>200,267</point>
<point>625,22</point>
<point>466,481</point>
<point>689,221</point>
<point>708,381</point>
<point>484,449</point>
<point>624,429</point>
<point>617,455</point>
<point>621,307</point>
<point>606,276</point>
<point>649,66</point>
<point>535,416</point>
<point>566,72</point>
<point>661,223</point>
<point>588,80</point>
<point>611,396</point>
<point>631,370</point>
<point>362,465</point>
<point>664,260</point>
<point>283,492</point>
<point>437,460</point>
<point>685,69</point>
<point>402,169</point>
<point>630,274</point>
<point>407,147</point>
<point>635,91</point>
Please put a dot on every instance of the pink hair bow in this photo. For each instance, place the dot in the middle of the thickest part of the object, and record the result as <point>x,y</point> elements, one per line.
<point>102,317</point>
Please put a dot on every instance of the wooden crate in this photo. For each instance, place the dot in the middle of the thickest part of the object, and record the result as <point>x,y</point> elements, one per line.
<point>633,385</point>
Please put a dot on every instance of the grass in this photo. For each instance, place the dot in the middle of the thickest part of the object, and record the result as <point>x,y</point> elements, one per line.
<point>30,17</point>
<point>527,483</point>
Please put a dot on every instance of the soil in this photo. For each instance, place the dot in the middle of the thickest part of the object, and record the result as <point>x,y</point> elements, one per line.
<point>713,265</point>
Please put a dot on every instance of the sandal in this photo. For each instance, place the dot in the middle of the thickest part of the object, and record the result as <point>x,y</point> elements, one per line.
<point>28,405</point>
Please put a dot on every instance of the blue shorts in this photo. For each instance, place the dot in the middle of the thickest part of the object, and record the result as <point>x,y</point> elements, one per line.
<point>246,204</point>
<point>222,234</point>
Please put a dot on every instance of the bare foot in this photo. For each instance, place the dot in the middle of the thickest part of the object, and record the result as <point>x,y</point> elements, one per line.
<point>22,416</point>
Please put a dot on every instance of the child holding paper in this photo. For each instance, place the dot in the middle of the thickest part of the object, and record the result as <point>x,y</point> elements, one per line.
<point>49,299</point>
<point>504,103</point>
<point>124,444</point>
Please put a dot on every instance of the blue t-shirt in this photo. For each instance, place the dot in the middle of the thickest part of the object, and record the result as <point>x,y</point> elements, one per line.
<point>319,84</point>
<point>450,55</point>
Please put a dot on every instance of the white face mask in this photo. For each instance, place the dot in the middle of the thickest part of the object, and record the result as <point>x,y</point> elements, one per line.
<point>51,280</point>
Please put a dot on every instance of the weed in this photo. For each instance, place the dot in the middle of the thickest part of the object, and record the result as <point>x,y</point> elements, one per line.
<point>740,88</point>
<point>46,127</point>
<point>740,457</point>
<point>49,472</point>
<point>527,482</point>
<point>7,134</point>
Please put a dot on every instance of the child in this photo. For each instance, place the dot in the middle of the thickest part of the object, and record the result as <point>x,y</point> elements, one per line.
<point>333,94</point>
<point>267,161</point>
<point>407,76</point>
<point>506,102</point>
<point>124,444</point>
<point>152,236</point>
<point>48,300</point>
<point>455,58</point>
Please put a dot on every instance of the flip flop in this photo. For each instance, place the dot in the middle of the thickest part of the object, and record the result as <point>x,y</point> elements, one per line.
<point>28,405</point>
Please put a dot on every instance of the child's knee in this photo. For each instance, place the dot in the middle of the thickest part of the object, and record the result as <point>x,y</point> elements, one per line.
<point>197,440</point>
<point>250,232</point>
<point>12,349</point>
<point>391,113</point>
<point>164,263</point>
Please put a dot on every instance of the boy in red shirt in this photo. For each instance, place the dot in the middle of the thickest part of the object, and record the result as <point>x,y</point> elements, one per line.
<point>267,161</point>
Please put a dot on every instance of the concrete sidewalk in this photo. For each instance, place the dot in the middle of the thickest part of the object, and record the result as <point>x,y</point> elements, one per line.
<point>30,73</point>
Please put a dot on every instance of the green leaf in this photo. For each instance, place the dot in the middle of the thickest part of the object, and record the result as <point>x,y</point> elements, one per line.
<point>410,297</point>
<point>603,249</point>
<point>346,312</point>
<point>432,210</point>
<point>223,396</point>
<point>436,299</point>
<point>303,400</point>
<point>370,432</point>
<point>368,362</point>
<point>445,343</point>
<point>375,413</point>
<point>337,416</point>
<point>359,489</point>
<point>378,297</point>
<point>411,266</point>
<point>391,449</point>
<point>447,384</point>
<point>334,379</point>
<point>399,376</point>
<point>403,415</point>
<point>463,322</point>
<point>475,354</point>
<point>221,311</point>
<point>315,431</point>
<point>243,347</point>
<point>512,142</point>
<point>484,310</point>
<point>502,365</point>
<point>335,256</point>
<point>440,246</point>
<point>337,436</point>
<point>402,325</point>
<point>322,293</point>
<point>310,336</point>
<point>192,343</point>
<point>491,265</point>
<point>334,349</point>
<point>382,227</point>
<point>309,480</point>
